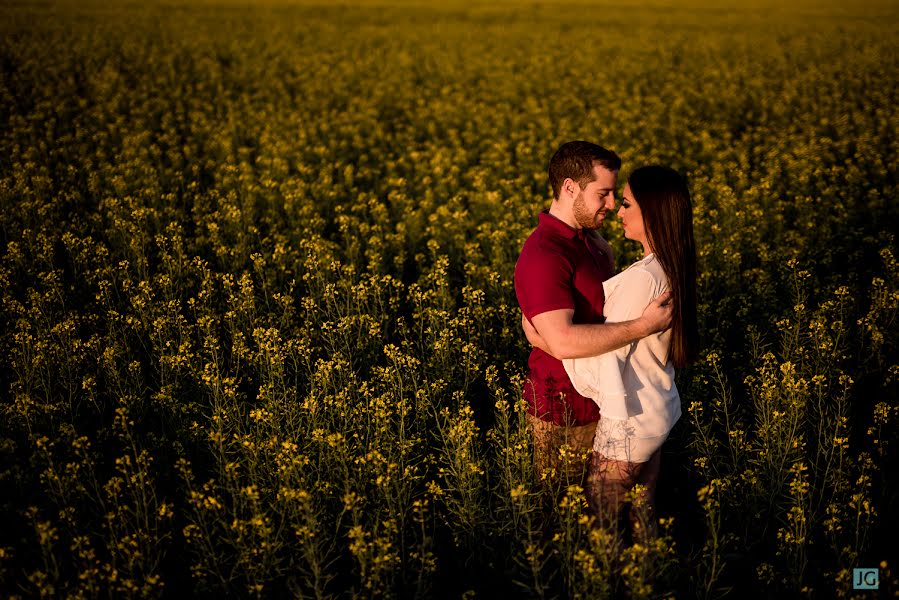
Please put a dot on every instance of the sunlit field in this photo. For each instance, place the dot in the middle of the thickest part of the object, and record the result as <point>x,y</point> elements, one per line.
<point>258,332</point>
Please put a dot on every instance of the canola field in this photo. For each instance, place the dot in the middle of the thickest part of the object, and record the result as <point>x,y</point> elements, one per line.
<point>258,334</point>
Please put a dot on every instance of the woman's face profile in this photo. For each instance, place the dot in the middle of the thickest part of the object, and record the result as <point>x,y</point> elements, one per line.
<point>631,217</point>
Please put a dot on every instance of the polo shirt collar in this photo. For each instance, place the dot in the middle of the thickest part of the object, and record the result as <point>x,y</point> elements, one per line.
<point>559,227</point>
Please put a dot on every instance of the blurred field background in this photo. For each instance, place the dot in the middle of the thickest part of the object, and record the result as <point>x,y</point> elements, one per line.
<point>258,335</point>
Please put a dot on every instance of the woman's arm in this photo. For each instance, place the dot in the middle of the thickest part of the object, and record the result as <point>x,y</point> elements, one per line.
<point>637,288</point>
<point>600,377</point>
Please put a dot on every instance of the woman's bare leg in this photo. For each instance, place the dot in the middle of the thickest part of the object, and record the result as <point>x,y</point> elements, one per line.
<point>643,511</point>
<point>608,483</point>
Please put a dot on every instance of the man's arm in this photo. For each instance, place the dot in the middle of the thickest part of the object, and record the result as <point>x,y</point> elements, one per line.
<point>534,338</point>
<point>565,339</point>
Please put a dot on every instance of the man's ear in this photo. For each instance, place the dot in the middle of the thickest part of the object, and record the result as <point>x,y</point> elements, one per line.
<point>570,187</point>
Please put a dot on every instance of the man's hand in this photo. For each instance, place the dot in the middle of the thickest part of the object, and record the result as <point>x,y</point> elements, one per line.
<point>656,316</point>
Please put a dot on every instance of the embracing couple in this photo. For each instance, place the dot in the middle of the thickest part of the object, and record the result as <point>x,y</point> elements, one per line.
<point>601,373</point>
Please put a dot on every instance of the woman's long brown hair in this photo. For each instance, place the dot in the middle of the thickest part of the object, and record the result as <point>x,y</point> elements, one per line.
<point>664,201</point>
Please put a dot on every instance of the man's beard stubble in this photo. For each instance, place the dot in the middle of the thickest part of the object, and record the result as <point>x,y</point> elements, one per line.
<point>582,216</point>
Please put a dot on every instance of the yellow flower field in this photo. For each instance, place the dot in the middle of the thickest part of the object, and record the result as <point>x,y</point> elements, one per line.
<point>258,333</point>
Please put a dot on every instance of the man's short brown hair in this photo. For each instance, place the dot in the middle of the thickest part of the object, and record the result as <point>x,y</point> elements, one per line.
<point>576,160</point>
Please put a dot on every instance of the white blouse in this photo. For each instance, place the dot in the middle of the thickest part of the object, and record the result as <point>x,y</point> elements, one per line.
<point>635,382</point>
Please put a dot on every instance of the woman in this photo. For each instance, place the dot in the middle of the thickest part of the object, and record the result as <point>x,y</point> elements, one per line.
<point>634,385</point>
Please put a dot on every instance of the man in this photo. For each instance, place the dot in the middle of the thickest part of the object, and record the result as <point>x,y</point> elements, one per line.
<point>558,282</point>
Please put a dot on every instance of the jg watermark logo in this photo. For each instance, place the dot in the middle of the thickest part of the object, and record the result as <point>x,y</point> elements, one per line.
<point>865,579</point>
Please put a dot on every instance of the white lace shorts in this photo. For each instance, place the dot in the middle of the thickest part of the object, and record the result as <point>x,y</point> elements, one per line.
<point>617,440</point>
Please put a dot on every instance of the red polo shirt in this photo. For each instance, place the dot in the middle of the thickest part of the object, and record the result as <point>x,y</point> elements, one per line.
<point>559,268</point>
